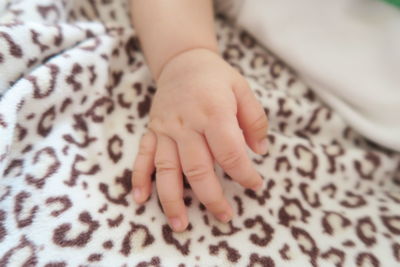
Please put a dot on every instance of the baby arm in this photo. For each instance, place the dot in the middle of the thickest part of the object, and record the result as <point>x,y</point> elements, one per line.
<point>203,111</point>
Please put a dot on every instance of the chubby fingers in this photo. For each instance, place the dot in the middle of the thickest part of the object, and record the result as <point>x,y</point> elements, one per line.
<point>229,149</point>
<point>144,167</point>
<point>197,165</point>
<point>252,118</point>
<point>169,183</point>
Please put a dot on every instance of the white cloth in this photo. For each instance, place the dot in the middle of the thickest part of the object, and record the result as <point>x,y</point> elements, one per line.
<point>348,51</point>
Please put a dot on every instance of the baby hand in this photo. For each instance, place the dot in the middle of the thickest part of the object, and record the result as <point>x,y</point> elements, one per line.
<point>197,116</point>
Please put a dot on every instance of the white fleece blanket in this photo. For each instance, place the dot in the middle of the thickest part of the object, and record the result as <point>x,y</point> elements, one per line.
<point>74,97</point>
<point>347,50</point>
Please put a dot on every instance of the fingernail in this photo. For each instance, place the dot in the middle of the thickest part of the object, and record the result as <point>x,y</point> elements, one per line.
<point>137,194</point>
<point>224,217</point>
<point>176,223</point>
<point>257,187</point>
<point>263,146</point>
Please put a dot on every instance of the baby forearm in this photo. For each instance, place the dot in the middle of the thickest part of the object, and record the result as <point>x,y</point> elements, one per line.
<point>167,28</point>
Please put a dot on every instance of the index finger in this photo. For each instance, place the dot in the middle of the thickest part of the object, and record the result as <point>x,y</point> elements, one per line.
<point>228,147</point>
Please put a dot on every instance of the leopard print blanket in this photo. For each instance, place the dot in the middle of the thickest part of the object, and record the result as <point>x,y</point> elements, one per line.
<point>74,98</point>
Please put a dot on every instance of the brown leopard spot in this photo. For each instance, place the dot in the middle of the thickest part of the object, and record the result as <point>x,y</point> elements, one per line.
<point>61,232</point>
<point>232,254</point>
<point>64,201</point>
<point>169,238</point>
<point>292,210</point>
<point>257,260</point>
<point>366,259</point>
<point>38,93</point>
<point>45,123</point>
<point>392,223</point>
<point>306,244</point>
<point>335,256</point>
<point>45,155</point>
<point>366,231</point>
<point>18,255</point>
<point>266,229</point>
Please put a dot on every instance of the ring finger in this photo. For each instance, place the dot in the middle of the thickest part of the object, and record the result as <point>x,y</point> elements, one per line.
<point>169,182</point>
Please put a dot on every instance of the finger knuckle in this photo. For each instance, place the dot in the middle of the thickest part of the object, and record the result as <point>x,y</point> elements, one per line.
<point>212,110</point>
<point>197,172</point>
<point>171,126</point>
<point>259,124</point>
<point>137,174</point>
<point>144,149</point>
<point>165,166</point>
<point>172,206</point>
<point>231,159</point>
<point>219,111</point>
<point>170,202</point>
<point>155,124</point>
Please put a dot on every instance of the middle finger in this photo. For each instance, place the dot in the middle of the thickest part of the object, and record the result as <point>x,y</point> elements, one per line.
<point>197,165</point>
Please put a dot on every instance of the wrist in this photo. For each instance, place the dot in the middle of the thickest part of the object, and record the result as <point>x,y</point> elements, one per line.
<point>181,54</point>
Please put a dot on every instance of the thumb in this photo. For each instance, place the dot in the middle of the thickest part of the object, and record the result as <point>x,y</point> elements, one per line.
<point>252,119</point>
